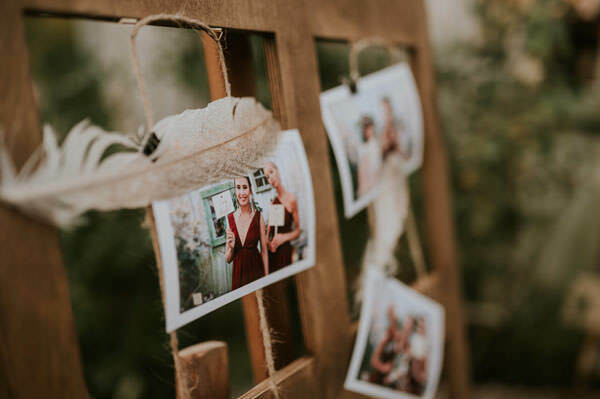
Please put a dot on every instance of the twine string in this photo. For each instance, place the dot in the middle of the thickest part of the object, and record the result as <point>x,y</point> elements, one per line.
<point>414,244</point>
<point>191,22</point>
<point>396,54</point>
<point>267,342</point>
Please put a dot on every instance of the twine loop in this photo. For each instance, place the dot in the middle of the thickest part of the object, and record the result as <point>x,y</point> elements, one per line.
<point>396,54</point>
<point>267,342</point>
<point>178,19</point>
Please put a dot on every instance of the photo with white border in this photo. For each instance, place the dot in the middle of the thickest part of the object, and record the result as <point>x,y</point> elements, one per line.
<point>221,242</point>
<point>382,119</point>
<point>399,347</point>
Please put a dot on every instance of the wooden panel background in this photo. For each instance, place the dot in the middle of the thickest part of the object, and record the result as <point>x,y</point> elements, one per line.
<point>39,349</point>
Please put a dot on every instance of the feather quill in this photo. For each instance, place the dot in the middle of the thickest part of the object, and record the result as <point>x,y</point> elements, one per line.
<point>229,137</point>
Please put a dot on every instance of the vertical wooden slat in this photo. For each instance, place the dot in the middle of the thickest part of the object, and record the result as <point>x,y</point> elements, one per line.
<point>274,76</point>
<point>216,83</point>
<point>39,355</point>
<point>439,220</point>
<point>322,289</point>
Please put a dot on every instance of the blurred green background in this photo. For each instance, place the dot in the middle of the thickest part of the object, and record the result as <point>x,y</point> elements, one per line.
<point>519,105</point>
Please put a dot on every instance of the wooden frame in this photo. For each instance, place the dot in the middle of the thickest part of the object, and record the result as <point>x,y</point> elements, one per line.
<point>39,355</point>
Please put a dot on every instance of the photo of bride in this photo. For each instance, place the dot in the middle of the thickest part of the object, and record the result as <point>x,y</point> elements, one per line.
<point>223,241</point>
<point>366,129</point>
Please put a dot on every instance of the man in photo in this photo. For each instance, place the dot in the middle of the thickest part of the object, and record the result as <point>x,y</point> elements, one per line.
<point>369,156</point>
<point>395,139</point>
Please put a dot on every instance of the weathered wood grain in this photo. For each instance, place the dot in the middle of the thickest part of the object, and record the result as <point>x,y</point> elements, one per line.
<point>206,367</point>
<point>39,354</point>
<point>296,380</point>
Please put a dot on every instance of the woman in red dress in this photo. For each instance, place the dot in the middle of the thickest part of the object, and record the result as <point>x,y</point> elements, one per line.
<point>246,230</point>
<point>280,247</point>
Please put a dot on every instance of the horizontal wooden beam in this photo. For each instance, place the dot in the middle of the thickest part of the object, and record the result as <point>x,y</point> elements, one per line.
<point>376,18</point>
<point>295,380</point>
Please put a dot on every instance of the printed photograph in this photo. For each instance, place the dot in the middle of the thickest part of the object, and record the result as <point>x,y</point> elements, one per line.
<point>223,241</point>
<point>382,120</point>
<point>398,351</point>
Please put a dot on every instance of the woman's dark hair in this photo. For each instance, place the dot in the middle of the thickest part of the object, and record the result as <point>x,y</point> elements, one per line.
<point>252,205</point>
<point>243,177</point>
<point>365,122</point>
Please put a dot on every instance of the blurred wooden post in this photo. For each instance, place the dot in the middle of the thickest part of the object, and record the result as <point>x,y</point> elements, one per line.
<point>39,355</point>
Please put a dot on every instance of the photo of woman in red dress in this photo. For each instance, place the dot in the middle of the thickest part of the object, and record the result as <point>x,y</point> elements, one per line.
<point>280,247</point>
<point>246,231</point>
<point>238,234</point>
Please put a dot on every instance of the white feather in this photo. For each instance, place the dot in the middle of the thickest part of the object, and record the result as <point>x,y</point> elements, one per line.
<point>229,137</point>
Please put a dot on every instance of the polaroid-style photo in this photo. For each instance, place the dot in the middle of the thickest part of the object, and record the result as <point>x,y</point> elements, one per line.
<point>383,119</point>
<point>221,242</point>
<point>399,347</point>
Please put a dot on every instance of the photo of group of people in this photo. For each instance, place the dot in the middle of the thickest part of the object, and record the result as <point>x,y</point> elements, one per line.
<point>225,240</point>
<point>398,351</point>
<point>381,121</point>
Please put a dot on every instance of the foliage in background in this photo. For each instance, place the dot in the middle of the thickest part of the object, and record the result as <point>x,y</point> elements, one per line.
<point>64,74</point>
<point>522,142</point>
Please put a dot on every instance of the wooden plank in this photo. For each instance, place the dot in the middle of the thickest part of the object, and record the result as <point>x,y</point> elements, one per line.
<point>38,351</point>
<point>237,14</point>
<point>354,20</point>
<point>274,77</point>
<point>216,83</point>
<point>296,380</point>
<point>334,19</point>
<point>322,289</point>
<point>206,366</point>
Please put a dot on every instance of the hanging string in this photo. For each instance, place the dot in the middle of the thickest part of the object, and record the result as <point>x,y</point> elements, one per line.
<point>267,342</point>
<point>396,54</point>
<point>414,244</point>
<point>194,23</point>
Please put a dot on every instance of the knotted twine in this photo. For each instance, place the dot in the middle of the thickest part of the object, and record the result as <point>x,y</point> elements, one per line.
<point>267,342</point>
<point>385,229</point>
<point>192,23</point>
<point>180,373</point>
